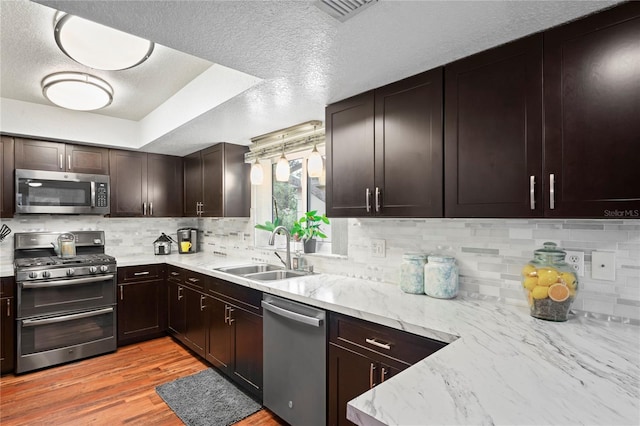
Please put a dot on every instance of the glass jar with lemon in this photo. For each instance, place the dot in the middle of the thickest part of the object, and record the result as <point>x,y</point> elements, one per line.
<point>549,283</point>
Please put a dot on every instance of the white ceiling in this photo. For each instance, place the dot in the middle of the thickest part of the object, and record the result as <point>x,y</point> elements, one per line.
<point>306,58</point>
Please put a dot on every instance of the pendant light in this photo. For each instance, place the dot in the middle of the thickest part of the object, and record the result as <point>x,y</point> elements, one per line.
<point>257,175</point>
<point>314,162</point>
<point>282,167</point>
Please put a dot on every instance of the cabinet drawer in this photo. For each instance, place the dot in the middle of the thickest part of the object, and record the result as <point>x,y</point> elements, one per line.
<point>194,280</point>
<point>140,273</point>
<point>395,344</point>
<point>238,295</point>
<point>175,274</point>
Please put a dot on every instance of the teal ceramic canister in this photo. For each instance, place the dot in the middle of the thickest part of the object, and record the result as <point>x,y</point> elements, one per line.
<point>441,277</point>
<point>412,273</point>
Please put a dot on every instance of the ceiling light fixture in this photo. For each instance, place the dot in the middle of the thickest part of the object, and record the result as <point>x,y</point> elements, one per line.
<point>77,91</point>
<point>314,162</point>
<point>98,46</point>
<point>257,175</point>
<point>282,167</point>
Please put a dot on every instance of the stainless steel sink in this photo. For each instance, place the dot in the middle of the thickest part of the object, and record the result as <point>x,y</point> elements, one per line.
<point>250,269</point>
<point>276,275</point>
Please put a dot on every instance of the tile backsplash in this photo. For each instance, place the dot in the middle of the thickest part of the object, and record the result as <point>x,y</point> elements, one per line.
<point>490,252</point>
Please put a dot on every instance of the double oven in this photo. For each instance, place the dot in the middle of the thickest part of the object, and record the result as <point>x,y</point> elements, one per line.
<point>66,307</point>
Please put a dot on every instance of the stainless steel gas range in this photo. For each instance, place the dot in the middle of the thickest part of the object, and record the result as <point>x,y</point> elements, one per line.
<point>66,307</point>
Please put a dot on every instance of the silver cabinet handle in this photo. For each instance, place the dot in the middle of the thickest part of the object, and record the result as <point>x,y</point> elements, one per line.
<point>532,192</point>
<point>179,292</point>
<point>144,208</point>
<point>226,314</point>
<point>150,209</point>
<point>137,274</point>
<point>175,273</point>
<point>193,280</point>
<point>372,370</point>
<point>202,306</point>
<point>374,342</point>
<point>230,319</point>
<point>61,163</point>
<point>34,322</point>
<point>367,197</point>
<point>383,374</point>
<point>377,200</point>
<point>121,293</point>
<point>8,307</point>
<point>69,161</point>
<point>552,191</point>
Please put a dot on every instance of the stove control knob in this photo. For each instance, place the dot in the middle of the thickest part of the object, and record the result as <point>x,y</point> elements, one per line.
<point>33,274</point>
<point>46,274</point>
<point>104,268</point>
<point>70,271</point>
<point>93,269</point>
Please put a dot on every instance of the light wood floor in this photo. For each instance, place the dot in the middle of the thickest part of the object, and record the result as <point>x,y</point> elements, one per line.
<point>117,388</point>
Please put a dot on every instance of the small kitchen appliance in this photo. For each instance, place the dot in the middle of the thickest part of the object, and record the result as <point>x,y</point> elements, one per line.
<point>162,245</point>
<point>187,240</point>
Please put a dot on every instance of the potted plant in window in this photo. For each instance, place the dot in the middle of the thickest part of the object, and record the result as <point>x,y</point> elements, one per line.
<point>307,228</point>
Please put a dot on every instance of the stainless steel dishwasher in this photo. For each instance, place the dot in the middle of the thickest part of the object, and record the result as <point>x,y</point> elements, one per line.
<point>295,358</point>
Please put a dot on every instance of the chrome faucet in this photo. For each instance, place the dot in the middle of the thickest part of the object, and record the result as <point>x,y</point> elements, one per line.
<point>272,238</point>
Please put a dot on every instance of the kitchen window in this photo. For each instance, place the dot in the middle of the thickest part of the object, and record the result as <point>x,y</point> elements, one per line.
<point>292,199</point>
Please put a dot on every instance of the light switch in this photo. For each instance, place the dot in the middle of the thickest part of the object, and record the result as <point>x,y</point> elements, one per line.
<point>603,265</point>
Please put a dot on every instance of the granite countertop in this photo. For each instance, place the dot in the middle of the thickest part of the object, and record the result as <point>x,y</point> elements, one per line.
<point>501,365</point>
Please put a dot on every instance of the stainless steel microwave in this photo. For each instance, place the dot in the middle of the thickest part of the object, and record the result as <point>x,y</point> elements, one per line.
<point>39,191</point>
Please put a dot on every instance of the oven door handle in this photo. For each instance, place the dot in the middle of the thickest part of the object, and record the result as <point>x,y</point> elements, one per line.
<point>71,317</point>
<point>60,283</point>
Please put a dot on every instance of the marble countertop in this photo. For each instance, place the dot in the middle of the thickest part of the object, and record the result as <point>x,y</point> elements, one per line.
<point>501,365</point>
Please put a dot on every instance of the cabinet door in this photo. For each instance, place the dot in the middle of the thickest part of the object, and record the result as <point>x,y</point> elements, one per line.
<point>196,321</point>
<point>87,159</point>
<point>247,360</point>
<point>6,176</point>
<point>212,176</point>
<point>192,183</point>
<point>128,183</point>
<point>350,374</point>
<point>350,156</point>
<point>164,185</point>
<point>237,186</point>
<point>493,132</point>
<point>141,311</point>
<point>409,147</point>
<point>592,110</point>
<point>39,155</point>
<point>219,351</point>
<point>7,336</point>
<point>177,309</point>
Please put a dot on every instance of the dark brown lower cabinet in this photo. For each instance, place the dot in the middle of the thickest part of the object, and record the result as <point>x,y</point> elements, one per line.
<point>362,355</point>
<point>142,304</point>
<point>7,325</point>
<point>196,322</point>
<point>176,324</point>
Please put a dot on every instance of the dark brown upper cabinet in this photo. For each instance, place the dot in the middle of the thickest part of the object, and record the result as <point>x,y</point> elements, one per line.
<point>592,116</point>
<point>384,151</point>
<point>145,184</point>
<point>61,157</point>
<point>216,182</point>
<point>493,132</point>
<point>6,176</point>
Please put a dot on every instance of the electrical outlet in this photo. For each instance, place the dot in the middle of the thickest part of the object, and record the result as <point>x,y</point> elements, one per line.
<point>378,248</point>
<point>575,259</point>
<point>603,265</point>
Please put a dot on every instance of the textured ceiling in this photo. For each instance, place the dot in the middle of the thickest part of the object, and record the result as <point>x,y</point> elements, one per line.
<point>308,59</point>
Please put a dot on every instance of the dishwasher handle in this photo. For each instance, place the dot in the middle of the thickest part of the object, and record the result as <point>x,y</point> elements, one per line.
<point>316,322</point>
